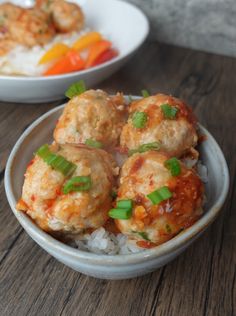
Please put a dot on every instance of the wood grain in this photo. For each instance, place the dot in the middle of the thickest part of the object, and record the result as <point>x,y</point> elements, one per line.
<point>199,282</point>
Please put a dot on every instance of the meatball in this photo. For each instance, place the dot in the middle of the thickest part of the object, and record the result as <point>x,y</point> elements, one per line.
<point>145,173</point>
<point>53,209</point>
<point>33,27</point>
<point>91,115</point>
<point>9,11</point>
<point>27,27</point>
<point>176,134</point>
<point>66,16</point>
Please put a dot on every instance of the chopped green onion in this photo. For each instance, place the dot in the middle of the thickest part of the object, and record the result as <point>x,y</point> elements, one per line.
<point>132,151</point>
<point>61,164</point>
<point>145,93</point>
<point>57,162</point>
<point>139,119</point>
<point>149,146</point>
<point>145,147</point>
<point>159,195</point>
<point>113,194</point>
<point>93,143</point>
<point>50,159</point>
<point>79,183</point>
<point>75,89</point>
<point>143,235</point>
<point>169,111</point>
<point>43,151</point>
<point>120,213</point>
<point>168,228</point>
<point>174,166</point>
<point>127,204</point>
<point>123,210</point>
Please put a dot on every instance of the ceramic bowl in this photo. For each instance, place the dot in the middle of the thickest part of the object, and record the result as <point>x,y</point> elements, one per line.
<point>115,266</point>
<point>122,23</point>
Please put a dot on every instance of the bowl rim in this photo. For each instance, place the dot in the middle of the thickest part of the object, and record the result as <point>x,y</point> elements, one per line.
<point>172,245</point>
<point>146,28</point>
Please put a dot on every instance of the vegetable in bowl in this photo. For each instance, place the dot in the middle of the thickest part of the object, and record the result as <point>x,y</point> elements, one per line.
<point>48,39</point>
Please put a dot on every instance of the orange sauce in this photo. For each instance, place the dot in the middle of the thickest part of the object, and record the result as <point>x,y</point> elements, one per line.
<point>146,244</point>
<point>111,227</point>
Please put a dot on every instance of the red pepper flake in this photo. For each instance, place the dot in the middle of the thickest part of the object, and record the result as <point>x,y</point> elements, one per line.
<point>50,203</point>
<point>137,165</point>
<point>58,191</point>
<point>30,163</point>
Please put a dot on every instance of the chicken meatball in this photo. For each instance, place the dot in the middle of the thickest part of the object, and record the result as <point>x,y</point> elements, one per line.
<point>163,204</point>
<point>9,11</point>
<point>69,203</point>
<point>66,16</point>
<point>91,115</point>
<point>163,119</point>
<point>33,27</point>
<point>27,27</point>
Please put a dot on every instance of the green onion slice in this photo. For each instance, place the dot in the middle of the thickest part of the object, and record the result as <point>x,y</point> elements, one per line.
<point>169,111</point>
<point>93,143</point>
<point>80,183</point>
<point>75,89</point>
<point>143,235</point>
<point>149,146</point>
<point>145,93</point>
<point>43,151</point>
<point>120,213</point>
<point>145,147</point>
<point>57,162</point>
<point>113,194</point>
<point>139,119</point>
<point>127,204</point>
<point>174,166</point>
<point>168,228</point>
<point>159,195</point>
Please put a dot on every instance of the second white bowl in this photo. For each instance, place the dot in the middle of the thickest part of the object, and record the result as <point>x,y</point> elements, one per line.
<point>120,22</point>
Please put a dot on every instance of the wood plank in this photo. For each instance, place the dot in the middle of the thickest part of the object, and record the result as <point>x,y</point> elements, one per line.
<point>15,118</point>
<point>199,282</point>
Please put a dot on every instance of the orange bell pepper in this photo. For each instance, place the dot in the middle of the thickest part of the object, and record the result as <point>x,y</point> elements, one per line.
<point>95,51</point>
<point>69,63</point>
<point>86,40</point>
<point>56,51</point>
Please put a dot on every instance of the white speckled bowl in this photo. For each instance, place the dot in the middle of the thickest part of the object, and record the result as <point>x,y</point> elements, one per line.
<point>122,23</point>
<point>116,266</point>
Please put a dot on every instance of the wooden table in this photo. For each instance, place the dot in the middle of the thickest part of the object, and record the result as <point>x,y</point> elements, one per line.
<point>199,282</point>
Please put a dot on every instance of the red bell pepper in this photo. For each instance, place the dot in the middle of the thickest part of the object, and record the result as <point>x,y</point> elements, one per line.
<point>107,55</point>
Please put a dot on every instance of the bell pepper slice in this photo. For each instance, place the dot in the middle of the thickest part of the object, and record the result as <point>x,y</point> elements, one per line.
<point>106,56</point>
<point>72,61</point>
<point>56,51</point>
<point>86,40</point>
<point>95,51</point>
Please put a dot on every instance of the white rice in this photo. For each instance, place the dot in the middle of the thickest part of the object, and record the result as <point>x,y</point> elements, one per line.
<point>24,61</point>
<point>103,242</point>
<point>202,171</point>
